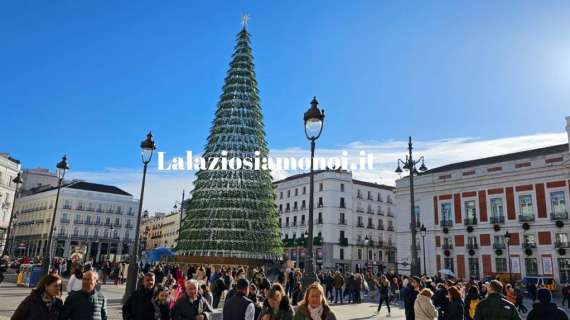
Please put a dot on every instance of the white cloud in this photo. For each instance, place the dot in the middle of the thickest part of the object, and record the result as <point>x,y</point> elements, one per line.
<point>163,188</point>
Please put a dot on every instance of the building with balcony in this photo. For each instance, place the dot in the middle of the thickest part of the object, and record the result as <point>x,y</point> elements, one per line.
<point>95,219</point>
<point>354,221</point>
<point>9,168</point>
<point>468,207</point>
<point>159,230</point>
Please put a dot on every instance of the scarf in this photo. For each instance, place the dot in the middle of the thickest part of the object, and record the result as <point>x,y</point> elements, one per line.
<point>48,301</point>
<point>315,313</point>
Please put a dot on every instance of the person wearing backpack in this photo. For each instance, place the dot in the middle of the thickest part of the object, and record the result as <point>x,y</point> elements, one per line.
<point>471,301</point>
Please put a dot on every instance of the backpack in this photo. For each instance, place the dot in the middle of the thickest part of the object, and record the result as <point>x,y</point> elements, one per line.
<point>472,306</point>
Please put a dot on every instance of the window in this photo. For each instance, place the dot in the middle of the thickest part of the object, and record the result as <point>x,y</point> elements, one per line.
<point>446,211</point>
<point>369,195</point>
<point>501,265</point>
<point>470,209</point>
<point>303,220</point>
<point>287,207</point>
<point>303,205</point>
<point>359,194</point>
<point>287,221</point>
<point>448,263</point>
<point>531,266</point>
<point>320,205</point>
<point>379,197</point>
<point>296,192</point>
<point>281,195</point>
<point>417,212</point>
<point>320,218</point>
<point>497,215</point>
<point>525,203</point>
<point>369,254</point>
<point>294,221</point>
<point>379,255</point>
<point>341,254</point>
<point>472,242</point>
<point>564,268</point>
<point>341,218</point>
<point>342,187</point>
<point>295,208</point>
<point>557,202</point>
<point>280,208</point>
<point>288,193</point>
<point>530,239</point>
<point>370,223</point>
<point>473,268</point>
<point>360,223</point>
<point>342,205</point>
<point>321,186</point>
<point>304,190</point>
<point>380,224</point>
<point>359,254</point>
<point>561,240</point>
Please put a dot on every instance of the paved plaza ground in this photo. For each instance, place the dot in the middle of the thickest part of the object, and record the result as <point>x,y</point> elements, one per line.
<point>11,295</point>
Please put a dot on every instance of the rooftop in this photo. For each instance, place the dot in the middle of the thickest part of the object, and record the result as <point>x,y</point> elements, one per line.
<point>561,148</point>
<point>355,181</point>
<point>89,186</point>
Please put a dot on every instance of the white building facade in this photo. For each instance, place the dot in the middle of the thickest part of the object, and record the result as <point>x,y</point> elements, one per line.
<point>9,168</point>
<point>469,207</point>
<point>353,221</point>
<point>94,219</point>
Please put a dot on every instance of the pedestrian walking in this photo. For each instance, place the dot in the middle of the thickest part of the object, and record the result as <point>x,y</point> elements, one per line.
<point>338,284</point>
<point>191,306</point>
<point>495,306</point>
<point>139,305</point>
<point>314,305</point>
<point>239,306</point>
<point>566,294</point>
<point>384,293</point>
<point>423,307</point>
<point>297,295</point>
<point>456,308</point>
<point>409,294</point>
<point>86,304</point>
<point>161,304</point>
<point>545,309</point>
<point>43,303</point>
<point>278,306</point>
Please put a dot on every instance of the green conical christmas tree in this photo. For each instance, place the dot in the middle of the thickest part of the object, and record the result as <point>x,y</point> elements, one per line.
<point>232,212</point>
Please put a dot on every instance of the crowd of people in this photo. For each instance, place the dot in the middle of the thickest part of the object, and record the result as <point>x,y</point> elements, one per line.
<point>187,292</point>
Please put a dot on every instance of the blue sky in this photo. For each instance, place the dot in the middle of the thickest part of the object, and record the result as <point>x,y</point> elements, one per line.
<point>89,78</point>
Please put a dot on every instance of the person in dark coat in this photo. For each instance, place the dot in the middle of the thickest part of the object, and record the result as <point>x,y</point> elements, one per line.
<point>409,294</point>
<point>545,309</point>
<point>239,307</point>
<point>471,300</point>
<point>456,308</point>
<point>278,306</point>
<point>139,305</point>
<point>87,304</point>
<point>43,303</point>
<point>441,301</point>
<point>219,287</point>
<point>495,306</point>
<point>191,306</point>
<point>161,304</point>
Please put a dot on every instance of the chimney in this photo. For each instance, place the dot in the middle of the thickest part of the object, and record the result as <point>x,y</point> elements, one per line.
<point>568,128</point>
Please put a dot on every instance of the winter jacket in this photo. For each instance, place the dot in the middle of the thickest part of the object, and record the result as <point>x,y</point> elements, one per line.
<point>441,302</point>
<point>303,313</point>
<point>496,307</point>
<point>81,305</point>
<point>33,308</point>
<point>285,311</point>
<point>338,281</point>
<point>546,311</point>
<point>455,310</point>
<point>139,305</point>
<point>186,310</point>
<point>424,308</point>
<point>409,295</point>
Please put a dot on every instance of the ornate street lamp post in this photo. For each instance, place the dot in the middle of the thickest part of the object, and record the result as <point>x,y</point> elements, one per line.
<point>423,232</point>
<point>8,249</point>
<point>410,165</point>
<point>147,148</point>
<point>314,119</point>
<point>508,240</point>
<point>62,168</point>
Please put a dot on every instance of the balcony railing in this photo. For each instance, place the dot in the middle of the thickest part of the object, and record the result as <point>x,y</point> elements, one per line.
<point>64,220</point>
<point>526,217</point>
<point>499,245</point>
<point>559,215</point>
<point>528,245</point>
<point>562,244</point>
<point>341,221</point>
<point>390,228</point>
<point>380,227</point>
<point>447,246</point>
<point>343,242</point>
<point>370,226</point>
<point>470,221</point>
<point>446,223</point>
<point>472,246</point>
<point>497,219</point>
<point>360,225</point>
<point>319,221</point>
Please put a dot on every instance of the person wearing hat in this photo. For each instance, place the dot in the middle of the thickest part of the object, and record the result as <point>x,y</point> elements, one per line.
<point>545,309</point>
<point>495,306</point>
<point>239,307</point>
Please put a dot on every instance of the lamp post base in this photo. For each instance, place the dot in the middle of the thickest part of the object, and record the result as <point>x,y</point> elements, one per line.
<point>309,276</point>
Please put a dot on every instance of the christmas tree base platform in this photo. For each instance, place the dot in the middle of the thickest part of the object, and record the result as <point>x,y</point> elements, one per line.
<point>212,260</point>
